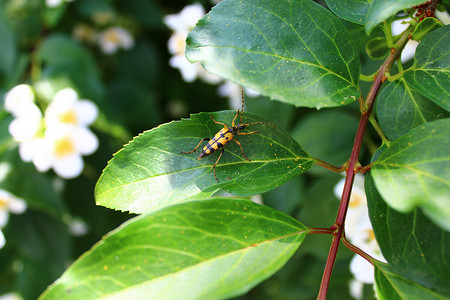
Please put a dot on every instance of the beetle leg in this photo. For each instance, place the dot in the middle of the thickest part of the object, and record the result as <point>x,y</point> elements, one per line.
<point>214,166</point>
<point>237,142</point>
<point>195,149</point>
<point>218,122</point>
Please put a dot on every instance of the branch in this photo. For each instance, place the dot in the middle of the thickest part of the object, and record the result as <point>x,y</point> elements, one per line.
<point>352,169</point>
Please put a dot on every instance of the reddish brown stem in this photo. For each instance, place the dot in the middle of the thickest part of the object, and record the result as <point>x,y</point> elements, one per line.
<point>352,168</point>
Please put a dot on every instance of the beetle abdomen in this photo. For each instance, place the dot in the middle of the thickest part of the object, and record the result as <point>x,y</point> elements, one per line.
<point>217,142</point>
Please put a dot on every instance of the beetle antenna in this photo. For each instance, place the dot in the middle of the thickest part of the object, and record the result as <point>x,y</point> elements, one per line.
<point>242,107</point>
<point>264,123</point>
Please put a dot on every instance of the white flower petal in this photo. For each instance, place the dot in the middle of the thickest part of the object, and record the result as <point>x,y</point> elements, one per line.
<point>362,270</point>
<point>356,289</point>
<point>185,20</point>
<point>190,15</point>
<point>4,217</point>
<point>177,44</point>
<point>2,240</point>
<point>86,142</point>
<point>188,70</point>
<point>87,112</point>
<point>53,3</point>
<point>65,97</point>
<point>28,149</point>
<point>409,51</point>
<point>69,166</point>
<point>17,98</point>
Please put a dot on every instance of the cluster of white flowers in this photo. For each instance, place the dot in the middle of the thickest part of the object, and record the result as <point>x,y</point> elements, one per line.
<point>359,232</point>
<point>9,203</point>
<point>59,138</point>
<point>181,24</point>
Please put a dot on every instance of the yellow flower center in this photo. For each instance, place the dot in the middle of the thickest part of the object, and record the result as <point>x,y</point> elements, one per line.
<point>68,117</point>
<point>355,200</point>
<point>3,203</point>
<point>64,146</point>
<point>112,36</point>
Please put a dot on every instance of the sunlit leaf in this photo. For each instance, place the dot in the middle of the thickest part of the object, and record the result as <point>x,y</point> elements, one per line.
<point>414,171</point>
<point>211,249</point>
<point>277,48</point>
<point>431,70</point>
<point>151,172</point>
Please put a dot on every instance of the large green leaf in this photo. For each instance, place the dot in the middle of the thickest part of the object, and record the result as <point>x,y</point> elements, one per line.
<point>400,109</point>
<point>278,49</point>
<point>391,286</point>
<point>381,10</point>
<point>414,246</point>
<point>414,171</point>
<point>431,70</point>
<point>151,172</point>
<point>351,10</point>
<point>211,249</point>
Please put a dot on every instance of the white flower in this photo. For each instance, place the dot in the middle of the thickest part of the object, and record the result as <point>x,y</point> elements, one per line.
<point>181,24</point>
<point>397,27</point>
<point>185,20</point>
<point>27,124</point>
<point>111,39</point>
<point>55,3</point>
<point>67,109</point>
<point>17,98</point>
<point>359,231</point>
<point>62,148</point>
<point>60,138</point>
<point>9,203</point>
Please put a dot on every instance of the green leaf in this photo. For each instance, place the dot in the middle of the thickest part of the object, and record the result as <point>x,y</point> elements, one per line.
<point>377,48</point>
<point>430,72</point>
<point>391,286</point>
<point>425,27</point>
<point>381,10</point>
<point>203,249</point>
<point>277,48</point>
<point>151,172</point>
<point>414,171</point>
<point>410,243</point>
<point>351,10</point>
<point>400,109</point>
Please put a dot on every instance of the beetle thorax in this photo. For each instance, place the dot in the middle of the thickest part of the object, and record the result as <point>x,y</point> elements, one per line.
<point>235,129</point>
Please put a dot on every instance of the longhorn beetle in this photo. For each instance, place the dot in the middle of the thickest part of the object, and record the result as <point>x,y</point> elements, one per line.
<point>225,135</point>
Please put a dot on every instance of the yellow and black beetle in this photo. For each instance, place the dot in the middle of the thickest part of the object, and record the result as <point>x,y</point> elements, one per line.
<point>225,135</point>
